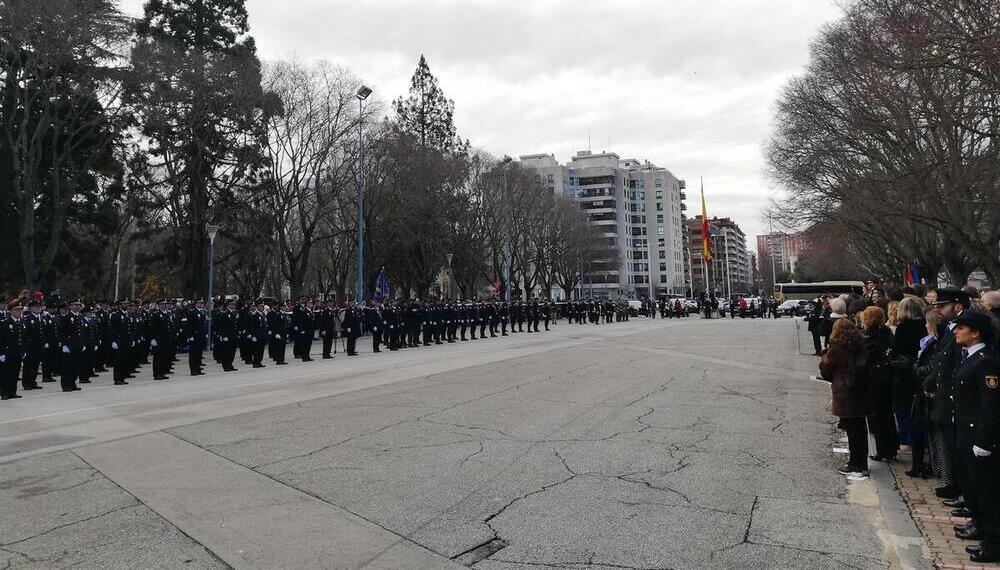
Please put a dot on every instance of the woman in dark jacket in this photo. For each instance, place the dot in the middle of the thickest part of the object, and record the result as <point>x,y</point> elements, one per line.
<point>878,344</point>
<point>920,413</point>
<point>845,367</point>
<point>910,329</point>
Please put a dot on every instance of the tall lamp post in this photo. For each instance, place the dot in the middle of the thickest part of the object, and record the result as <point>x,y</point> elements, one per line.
<point>212,230</point>
<point>448,282</point>
<point>135,240</point>
<point>359,287</point>
<point>507,224</point>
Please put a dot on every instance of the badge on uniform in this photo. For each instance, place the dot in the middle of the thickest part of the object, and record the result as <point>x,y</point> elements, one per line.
<point>992,382</point>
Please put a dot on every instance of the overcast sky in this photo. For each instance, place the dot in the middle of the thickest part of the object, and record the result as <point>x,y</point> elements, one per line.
<point>687,84</point>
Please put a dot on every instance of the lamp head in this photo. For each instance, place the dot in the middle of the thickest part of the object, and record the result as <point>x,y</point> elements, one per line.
<point>363,92</point>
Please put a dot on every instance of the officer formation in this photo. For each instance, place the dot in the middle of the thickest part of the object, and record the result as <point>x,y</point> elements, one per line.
<point>75,342</point>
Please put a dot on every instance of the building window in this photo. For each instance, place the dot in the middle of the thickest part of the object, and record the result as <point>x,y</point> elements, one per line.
<point>659,218</point>
<point>659,230</point>
<point>663,266</point>
<point>663,254</point>
<point>663,278</point>
<point>659,206</point>
<point>659,183</point>
<point>659,194</point>
<point>552,178</point>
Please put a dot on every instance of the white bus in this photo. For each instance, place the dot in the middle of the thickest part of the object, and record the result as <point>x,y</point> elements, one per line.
<point>809,291</point>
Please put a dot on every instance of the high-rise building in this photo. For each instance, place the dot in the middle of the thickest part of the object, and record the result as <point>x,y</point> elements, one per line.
<point>785,249</point>
<point>638,208</point>
<point>729,271</point>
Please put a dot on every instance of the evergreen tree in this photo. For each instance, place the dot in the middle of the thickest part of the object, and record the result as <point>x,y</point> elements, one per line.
<point>197,92</point>
<point>427,115</point>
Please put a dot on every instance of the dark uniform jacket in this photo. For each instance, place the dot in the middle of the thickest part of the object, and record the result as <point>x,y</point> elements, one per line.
<point>977,399</point>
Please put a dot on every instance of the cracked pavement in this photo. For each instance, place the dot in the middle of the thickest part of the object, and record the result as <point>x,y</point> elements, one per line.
<point>647,450</point>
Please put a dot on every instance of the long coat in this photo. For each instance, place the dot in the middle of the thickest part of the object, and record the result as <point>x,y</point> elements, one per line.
<point>847,374</point>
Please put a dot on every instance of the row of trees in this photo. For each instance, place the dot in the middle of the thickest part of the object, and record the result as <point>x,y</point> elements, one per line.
<point>122,140</point>
<point>888,143</point>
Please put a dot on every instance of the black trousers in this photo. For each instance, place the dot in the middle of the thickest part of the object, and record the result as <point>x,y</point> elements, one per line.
<point>29,369</point>
<point>69,369</point>
<point>328,344</point>
<point>161,360</point>
<point>857,442</point>
<point>883,428</point>
<point>276,349</point>
<point>9,372</point>
<point>817,341</point>
<point>352,344</point>
<point>227,353</point>
<point>376,340</point>
<point>195,352</point>
<point>986,473</point>
<point>965,469</point>
<point>121,361</point>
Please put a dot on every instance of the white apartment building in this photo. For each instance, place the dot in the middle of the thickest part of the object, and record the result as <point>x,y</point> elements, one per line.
<point>639,210</point>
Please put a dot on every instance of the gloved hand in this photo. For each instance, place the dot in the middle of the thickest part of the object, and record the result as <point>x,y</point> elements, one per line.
<point>348,330</point>
<point>191,339</point>
<point>253,338</point>
<point>225,339</point>
<point>277,336</point>
<point>980,452</point>
<point>114,345</point>
<point>83,349</point>
<point>46,345</point>
<point>152,343</point>
<point>66,349</point>
<point>3,358</point>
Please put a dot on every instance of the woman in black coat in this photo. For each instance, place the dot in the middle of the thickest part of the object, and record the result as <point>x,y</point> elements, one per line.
<point>911,328</point>
<point>920,412</point>
<point>878,345</point>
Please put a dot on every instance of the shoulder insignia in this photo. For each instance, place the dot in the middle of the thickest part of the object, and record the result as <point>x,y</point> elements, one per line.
<point>992,382</point>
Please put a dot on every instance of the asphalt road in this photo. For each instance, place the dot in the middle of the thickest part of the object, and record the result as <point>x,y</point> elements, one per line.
<point>648,444</point>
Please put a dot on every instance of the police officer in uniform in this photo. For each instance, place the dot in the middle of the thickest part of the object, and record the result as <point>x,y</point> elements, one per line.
<point>11,352</point>
<point>36,344</point>
<point>196,332</point>
<point>120,342</point>
<point>277,329</point>
<point>225,332</point>
<point>352,326</point>
<point>977,433</point>
<point>72,343</point>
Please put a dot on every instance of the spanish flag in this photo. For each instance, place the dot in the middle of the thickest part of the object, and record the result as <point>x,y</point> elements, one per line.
<point>706,234</point>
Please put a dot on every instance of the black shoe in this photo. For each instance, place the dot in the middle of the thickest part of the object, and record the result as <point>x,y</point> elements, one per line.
<point>954,503</point>
<point>961,513</point>
<point>76,389</point>
<point>230,369</point>
<point>983,557</point>
<point>970,533</point>
<point>352,354</point>
<point>11,397</point>
<point>947,492</point>
<point>47,380</point>
<point>121,383</point>
<point>34,387</point>
<point>84,381</point>
<point>197,374</point>
<point>974,549</point>
<point>281,363</point>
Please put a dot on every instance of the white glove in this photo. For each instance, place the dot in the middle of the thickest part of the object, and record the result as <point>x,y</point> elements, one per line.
<point>191,339</point>
<point>152,343</point>
<point>980,452</point>
<point>3,358</point>
<point>46,345</point>
<point>348,330</point>
<point>66,349</point>
<point>295,328</point>
<point>253,338</point>
<point>225,339</point>
<point>83,349</point>
<point>114,345</point>
<point>277,336</point>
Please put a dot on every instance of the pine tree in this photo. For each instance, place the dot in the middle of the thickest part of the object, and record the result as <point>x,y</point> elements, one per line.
<point>427,115</point>
<point>198,95</point>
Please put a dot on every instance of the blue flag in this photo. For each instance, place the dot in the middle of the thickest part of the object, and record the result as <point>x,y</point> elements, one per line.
<point>381,285</point>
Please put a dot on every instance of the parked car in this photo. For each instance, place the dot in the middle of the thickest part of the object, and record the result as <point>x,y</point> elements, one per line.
<point>794,307</point>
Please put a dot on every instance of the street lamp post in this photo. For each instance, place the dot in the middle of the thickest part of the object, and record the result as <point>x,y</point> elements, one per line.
<point>448,284</point>
<point>359,287</point>
<point>212,230</point>
<point>135,241</point>
<point>507,223</point>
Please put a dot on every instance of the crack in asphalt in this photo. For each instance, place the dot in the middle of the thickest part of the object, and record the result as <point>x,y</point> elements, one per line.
<point>482,448</point>
<point>6,545</point>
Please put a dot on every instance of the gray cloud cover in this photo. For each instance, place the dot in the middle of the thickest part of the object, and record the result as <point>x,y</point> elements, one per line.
<point>687,84</point>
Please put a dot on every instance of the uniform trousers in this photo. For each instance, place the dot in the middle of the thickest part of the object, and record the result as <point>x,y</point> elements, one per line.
<point>29,369</point>
<point>941,445</point>
<point>9,371</point>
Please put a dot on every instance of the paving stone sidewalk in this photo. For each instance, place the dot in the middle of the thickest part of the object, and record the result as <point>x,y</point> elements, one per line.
<point>934,520</point>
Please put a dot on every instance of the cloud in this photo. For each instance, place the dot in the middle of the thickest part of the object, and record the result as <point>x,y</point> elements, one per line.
<point>687,84</point>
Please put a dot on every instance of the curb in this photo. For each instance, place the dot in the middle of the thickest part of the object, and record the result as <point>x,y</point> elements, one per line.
<point>901,533</point>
